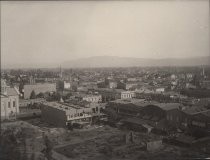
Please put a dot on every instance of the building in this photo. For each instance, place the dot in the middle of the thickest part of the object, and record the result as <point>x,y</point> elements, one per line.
<point>112,84</point>
<point>177,118</point>
<point>150,113</point>
<point>192,117</point>
<point>158,111</point>
<point>109,94</point>
<point>38,88</point>
<point>93,98</point>
<point>127,86</point>
<point>145,89</point>
<point>128,94</point>
<point>199,117</point>
<point>127,107</point>
<point>205,84</point>
<point>160,90</point>
<point>62,114</point>
<point>62,85</point>
<point>67,85</point>
<point>132,79</point>
<point>173,76</point>
<point>9,102</point>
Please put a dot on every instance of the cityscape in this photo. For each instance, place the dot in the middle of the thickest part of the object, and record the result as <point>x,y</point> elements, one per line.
<point>96,106</point>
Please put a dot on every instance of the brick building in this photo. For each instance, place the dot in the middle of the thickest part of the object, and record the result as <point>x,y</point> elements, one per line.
<point>62,114</point>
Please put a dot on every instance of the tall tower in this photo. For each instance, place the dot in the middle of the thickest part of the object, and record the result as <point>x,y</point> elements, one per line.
<point>61,74</point>
<point>203,72</point>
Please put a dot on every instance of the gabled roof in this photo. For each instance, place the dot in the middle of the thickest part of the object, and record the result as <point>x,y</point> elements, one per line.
<point>12,91</point>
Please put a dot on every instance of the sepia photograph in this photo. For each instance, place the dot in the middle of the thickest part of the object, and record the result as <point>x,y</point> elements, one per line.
<point>105,80</point>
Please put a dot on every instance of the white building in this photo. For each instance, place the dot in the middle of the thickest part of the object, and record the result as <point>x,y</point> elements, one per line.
<point>9,102</point>
<point>67,85</point>
<point>93,98</point>
<point>160,90</point>
<point>128,94</point>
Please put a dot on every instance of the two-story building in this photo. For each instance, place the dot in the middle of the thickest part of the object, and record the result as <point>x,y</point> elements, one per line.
<point>9,101</point>
<point>128,94</point>
<point>62,114</point>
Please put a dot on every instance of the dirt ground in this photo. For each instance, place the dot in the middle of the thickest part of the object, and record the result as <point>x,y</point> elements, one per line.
<point>108,143</point>
<point>90,143</point>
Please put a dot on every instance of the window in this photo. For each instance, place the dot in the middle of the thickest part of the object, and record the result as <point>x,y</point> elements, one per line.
<point>14,104</point>
<point>9,105</point>
<point>177,119</point>
<point>93,110</point>
<point>101,109</point>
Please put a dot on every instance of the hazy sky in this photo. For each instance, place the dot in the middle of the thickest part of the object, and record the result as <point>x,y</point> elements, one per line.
<point>53,32</point>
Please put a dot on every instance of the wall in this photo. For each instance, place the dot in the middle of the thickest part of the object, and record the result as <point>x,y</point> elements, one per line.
<point>38,88</point>
<point>177,117</point>
<point>53,116</point>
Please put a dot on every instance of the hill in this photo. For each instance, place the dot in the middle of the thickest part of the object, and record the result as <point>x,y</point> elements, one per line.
<point>113,61</point>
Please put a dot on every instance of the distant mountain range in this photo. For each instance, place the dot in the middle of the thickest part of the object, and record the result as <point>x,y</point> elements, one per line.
<point>113,61</point>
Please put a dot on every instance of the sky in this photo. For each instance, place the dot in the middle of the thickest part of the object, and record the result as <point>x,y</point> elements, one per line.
<point>35,33</point>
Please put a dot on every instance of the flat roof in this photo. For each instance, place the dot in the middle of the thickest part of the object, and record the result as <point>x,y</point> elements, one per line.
<point>142,103</point>
<point>135,101</point>
<point>69,106</point>
<point>62,106</point>
<point>109,90</point>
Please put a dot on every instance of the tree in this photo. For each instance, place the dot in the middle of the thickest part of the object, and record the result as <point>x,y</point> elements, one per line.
<point>33,95</point>
<point>40,95</point>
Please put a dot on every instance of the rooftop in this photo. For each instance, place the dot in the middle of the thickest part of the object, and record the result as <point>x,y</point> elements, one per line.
<point>62,106</point>
<point>131,101</point>
<point>69,106</point>
<point>143,103</point>
<point>12,91</point>
<point>169,106</point>
<point>196,110</point>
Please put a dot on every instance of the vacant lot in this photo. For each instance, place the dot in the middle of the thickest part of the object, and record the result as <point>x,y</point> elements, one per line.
<point>107,143</point>
<point>24,140</point>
